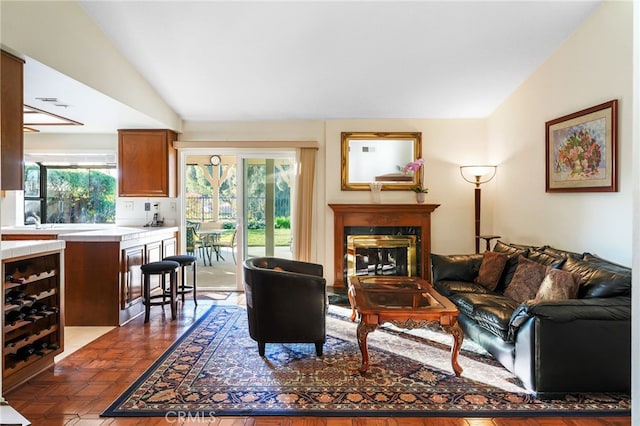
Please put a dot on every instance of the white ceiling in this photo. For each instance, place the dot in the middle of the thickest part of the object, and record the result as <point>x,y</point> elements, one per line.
<point>237,60</point>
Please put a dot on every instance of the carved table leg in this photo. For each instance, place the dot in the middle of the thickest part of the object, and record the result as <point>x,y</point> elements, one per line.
<point>352,302</point>
<point>363,330</point>
<point>458,337</point>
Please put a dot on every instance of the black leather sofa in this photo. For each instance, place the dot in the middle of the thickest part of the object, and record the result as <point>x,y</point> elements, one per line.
<point>557,346</point>
<point>286,302</point>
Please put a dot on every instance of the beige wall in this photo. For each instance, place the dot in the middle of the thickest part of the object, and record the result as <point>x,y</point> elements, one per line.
<point>593,66</point>
<point>447,144</point>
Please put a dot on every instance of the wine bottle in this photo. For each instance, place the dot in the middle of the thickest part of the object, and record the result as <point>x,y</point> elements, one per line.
<point>40,347</point>
<point>13,317</point>
<point>29,313</point>
<point>17,295</point>
<point>39,306</point>
<point>45,310</point>
<point>28,310</point>
<point>25,352</point>
<point>14,297</point>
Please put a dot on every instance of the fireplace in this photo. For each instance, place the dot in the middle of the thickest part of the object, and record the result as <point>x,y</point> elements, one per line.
<point>381,255</point>
<point>381,239</point>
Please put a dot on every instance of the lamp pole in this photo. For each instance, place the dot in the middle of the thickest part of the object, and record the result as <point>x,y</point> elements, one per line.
<point>478,175</point>
<point>477,202</point>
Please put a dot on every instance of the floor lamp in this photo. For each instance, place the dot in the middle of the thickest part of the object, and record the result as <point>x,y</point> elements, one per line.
<point>479,175</point>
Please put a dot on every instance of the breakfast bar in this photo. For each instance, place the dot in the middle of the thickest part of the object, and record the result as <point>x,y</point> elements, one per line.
<point>104,281</point>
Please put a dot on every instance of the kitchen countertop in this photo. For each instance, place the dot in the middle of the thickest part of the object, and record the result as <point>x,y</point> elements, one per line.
<point>11,249</point>
<point>53,228</point>
<point>89,232</point>
<point>117,233</point>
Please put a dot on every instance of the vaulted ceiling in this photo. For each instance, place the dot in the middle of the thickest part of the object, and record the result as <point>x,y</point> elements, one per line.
<point>237,60</point>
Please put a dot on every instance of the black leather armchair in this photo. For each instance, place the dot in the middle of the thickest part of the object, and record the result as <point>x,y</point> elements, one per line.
<point>286,302</point>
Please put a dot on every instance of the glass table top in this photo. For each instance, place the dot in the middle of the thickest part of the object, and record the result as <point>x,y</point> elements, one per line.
<point>396,292</point>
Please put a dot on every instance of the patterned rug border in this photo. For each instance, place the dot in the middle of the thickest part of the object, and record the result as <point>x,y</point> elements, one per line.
<point>111,411</point>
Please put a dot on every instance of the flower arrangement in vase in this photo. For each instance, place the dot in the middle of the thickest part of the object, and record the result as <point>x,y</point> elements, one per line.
<point>580,154</point>
<point>414,167</point>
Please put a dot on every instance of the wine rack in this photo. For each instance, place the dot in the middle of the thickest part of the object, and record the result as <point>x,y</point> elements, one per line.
<point>32,325</point>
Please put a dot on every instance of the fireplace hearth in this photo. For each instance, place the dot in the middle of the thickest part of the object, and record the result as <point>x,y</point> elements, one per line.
<point>381,239</point>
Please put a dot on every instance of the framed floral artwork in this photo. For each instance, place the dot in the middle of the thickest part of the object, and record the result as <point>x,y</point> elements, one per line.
<point>581,150</point>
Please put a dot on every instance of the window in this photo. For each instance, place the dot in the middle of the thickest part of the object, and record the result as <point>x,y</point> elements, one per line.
<point>69,194</point>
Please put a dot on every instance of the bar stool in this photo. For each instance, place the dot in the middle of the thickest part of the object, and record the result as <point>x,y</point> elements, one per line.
<point>185,260</point>
<point>169,297</point>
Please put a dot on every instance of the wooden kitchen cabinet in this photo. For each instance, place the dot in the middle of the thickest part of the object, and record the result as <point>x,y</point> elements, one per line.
<point>11,124</point>
<point>33,325</point>
<point>147,163</point>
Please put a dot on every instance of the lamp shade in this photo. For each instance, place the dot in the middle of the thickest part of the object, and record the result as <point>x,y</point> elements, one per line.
<point>478,174</point>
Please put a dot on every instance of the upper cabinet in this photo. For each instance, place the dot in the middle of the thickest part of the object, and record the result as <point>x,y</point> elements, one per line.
<point>147,163</point>
<point>11,106</point>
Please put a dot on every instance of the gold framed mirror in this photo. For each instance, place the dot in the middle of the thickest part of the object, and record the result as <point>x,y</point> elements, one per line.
<point>380,157</point>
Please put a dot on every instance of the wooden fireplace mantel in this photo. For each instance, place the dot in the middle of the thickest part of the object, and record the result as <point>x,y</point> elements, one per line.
<point>345,215</point>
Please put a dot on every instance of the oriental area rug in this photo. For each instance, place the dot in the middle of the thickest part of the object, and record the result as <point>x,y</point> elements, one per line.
<point>214,370</point>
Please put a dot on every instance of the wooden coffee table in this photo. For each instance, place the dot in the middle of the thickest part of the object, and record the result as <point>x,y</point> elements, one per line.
<point>406,302</point>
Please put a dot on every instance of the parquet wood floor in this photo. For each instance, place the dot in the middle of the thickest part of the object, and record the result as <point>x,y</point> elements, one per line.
<point>82,385</point>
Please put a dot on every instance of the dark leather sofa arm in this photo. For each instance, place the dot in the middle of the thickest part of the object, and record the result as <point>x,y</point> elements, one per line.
<point>455,267</point>
<point>603,309</point>
<point>584,355</point>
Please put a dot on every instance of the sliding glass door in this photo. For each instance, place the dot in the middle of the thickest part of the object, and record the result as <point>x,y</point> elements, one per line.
<point>267,201</point>
<point>237,205</point>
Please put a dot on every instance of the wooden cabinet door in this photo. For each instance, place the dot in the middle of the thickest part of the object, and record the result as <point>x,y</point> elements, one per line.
<point>12,167</point>
<point>154,251</point>
<point>146,163</point>
<point>169,247</point>
<point>131,291</point>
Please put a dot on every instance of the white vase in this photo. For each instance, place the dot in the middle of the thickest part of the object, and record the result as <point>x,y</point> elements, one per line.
<point>376,188</point>
<point>420,197</point>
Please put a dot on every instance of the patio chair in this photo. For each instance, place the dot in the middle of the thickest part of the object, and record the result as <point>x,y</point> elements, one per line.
<point>195,245</point>
<point>227,240</point>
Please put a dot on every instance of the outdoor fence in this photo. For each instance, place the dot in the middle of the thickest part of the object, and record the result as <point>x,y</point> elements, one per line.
<point>200,209</point>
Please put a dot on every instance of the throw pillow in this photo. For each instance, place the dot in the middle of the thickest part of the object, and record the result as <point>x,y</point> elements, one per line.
<point>514,252</point>
<point>558,285</point>
<point>526,280</point>
<point>491,268</point>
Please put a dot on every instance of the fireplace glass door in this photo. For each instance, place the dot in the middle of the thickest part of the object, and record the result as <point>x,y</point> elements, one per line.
<point>381,255</point>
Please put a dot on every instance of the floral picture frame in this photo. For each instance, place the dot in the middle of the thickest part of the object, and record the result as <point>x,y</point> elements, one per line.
<point>581,150</point>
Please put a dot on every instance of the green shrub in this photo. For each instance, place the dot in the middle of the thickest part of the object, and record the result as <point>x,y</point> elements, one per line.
<point>283,222</point>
